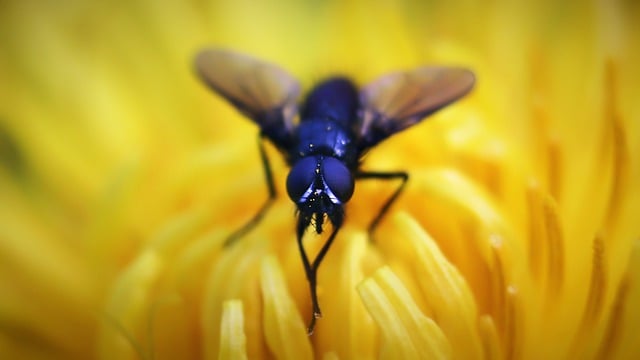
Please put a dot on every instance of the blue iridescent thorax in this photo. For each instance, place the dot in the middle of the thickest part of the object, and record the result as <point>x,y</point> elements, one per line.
<point>326,120</point>
<point>324,137</point>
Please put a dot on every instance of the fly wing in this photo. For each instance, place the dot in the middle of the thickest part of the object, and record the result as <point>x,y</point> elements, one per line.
<point>396,101</point>
<point>264,92</point>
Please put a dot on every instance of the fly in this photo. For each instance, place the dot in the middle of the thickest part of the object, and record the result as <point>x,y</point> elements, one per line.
<point>324,139</point>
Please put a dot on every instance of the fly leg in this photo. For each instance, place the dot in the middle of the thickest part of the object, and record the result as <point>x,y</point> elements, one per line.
<point>255,220</point>
<point>402,175</point>
<point>311,270</point>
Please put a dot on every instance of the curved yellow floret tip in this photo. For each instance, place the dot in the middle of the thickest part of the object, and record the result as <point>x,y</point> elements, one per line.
<point>232,336</point>
<point>406,332</point>
<point>284,328</point>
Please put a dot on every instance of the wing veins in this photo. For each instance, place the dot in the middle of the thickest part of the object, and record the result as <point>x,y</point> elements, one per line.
<point>397,101</point>
<point>396,94</point>
<point>407,105</point>
<point>245,89</point>
<point>262,90</point>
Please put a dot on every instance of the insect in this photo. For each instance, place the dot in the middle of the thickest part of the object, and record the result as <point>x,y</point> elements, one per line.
<point>324,139</point>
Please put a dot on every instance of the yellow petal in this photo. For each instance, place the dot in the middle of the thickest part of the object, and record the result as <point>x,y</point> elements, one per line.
<point>232,337</point>
<point>445,290</point>
<point>128,306</point>
<point>284,329</point>
<point>406,332</point>
<point>346,327</point>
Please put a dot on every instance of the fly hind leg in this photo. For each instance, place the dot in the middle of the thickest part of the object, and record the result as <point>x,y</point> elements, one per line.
<point>380,175</point>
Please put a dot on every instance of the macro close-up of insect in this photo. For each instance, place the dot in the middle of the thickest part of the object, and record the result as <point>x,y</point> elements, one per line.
<point>324,136</point>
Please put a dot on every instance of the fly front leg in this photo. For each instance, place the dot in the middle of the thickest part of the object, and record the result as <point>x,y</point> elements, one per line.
<point>311,271</point>
<point>255,220</point>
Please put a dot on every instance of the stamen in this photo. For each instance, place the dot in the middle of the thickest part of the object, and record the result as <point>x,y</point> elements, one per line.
<point>595,301</point>
<point>621,336</point>
<point>555,250</point>
<point>598,285</point>
<point>620,170</point>
<point>546,246</point>
<point>616,319</point>
<point>554,168</point>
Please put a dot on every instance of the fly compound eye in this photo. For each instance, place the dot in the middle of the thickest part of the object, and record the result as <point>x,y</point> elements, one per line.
<point>338,178</point>
<point>301,176</point>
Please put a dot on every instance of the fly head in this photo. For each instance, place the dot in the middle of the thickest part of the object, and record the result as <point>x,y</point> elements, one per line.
<point>320,186</point>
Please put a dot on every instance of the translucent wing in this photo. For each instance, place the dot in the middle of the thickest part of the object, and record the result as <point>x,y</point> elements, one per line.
<point>264,92</point>
<point>396,101</point>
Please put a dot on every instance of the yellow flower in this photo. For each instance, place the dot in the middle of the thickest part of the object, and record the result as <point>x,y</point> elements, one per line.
<point>121,175</point>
